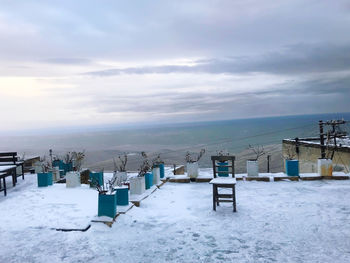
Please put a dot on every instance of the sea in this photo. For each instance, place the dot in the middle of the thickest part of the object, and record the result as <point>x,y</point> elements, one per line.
<point>172,141</point>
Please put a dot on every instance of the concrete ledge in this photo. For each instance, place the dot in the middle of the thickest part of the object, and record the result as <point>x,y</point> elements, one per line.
<point>310,178</point>
<point>179,180</point>
<point>203,180</point>
<point>339,177</point>
<point>256,178</point>
<point>282,178</point>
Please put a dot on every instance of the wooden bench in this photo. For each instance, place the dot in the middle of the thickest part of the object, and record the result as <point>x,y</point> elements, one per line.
<point>5,171</point>
<point>11,158</point>
<point>3,178</point>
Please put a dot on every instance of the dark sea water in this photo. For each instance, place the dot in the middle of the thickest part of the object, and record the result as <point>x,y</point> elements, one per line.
<point>235,135</point>
<point>172,141</point>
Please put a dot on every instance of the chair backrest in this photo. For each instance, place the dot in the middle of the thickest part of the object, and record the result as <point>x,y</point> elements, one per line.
<point>8,157</point>
<point>223,166</point>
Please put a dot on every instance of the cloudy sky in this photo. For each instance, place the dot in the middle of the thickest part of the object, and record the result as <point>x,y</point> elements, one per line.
<point>76,63</point>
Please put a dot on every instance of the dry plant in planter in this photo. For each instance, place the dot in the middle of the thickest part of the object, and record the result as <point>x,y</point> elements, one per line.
<point>190,159</point>
<point>223,153</point>
<point>157,161</point>
<point>252,164</point>
<point>45,165</point>
<point>257,150</point>
<point>123,161</point>
<point>145,166</point>
<point>78,158</point>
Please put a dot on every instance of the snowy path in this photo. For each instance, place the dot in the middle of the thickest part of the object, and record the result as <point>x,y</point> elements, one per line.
<point>275,222</point>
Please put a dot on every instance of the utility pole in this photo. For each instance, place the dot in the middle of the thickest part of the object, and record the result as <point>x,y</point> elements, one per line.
<point>323,152</point>
<point>268,163</point>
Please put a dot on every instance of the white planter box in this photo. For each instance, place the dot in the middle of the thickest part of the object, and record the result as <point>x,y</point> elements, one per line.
<point>252,168</point>
<point>192,170</point>
<point>121,177</point>
<point>55,173</point>
<point>156,175</point>
<point>38,168</point>
<point>325,167</point>
<point>137,185</point>
<point>73,179</point>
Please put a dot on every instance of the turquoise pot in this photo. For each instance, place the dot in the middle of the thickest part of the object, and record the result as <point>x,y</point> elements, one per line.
<point>69,167</point>
<point>44,179</point>
<point>292,167</point>
<point>96,178</point>
<point>61,165</point>
<point>148,180</point>
<point>161,168</point>
<point>122,196</point>
<point>223,167</point>
<point>107,205</point>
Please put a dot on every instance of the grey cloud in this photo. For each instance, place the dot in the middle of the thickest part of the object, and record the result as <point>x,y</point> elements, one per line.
<point>284,97</point>
<point>67,61</point>
<point>295,59</point>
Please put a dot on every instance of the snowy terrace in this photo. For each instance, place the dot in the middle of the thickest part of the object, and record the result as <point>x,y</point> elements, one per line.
<point>305,221</point>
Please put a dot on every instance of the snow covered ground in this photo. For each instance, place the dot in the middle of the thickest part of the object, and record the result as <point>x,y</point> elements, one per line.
<point>305,221</point>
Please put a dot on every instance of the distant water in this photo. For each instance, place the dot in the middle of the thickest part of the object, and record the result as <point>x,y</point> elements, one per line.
<point>232,135</point>
<point>236,135</point>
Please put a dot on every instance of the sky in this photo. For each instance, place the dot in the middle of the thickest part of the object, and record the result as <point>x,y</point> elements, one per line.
<point>79,63</point>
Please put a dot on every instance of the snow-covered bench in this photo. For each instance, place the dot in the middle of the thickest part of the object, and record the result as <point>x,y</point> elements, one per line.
<point>11,158</point>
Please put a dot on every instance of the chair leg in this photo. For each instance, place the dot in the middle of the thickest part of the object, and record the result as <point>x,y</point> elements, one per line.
<point>5,191</point>
<point>214,197</point>
<point>14,178</point>
<point>4,183</point>
<point>234,198</point>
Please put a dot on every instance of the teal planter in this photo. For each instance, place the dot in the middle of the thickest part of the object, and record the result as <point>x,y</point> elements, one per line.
<point>61,165</point>
<point>223,167</point>
<point>107,205</point>
<point>96,178</point>
<point>122,195</point>
<point>161,168</point>
<point>44,179</point>
<point>292,167</point>
<point>148,180</point>
<point>69,167</point>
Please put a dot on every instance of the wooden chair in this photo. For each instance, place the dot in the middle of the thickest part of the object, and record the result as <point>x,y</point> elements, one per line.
<point>223,165</point>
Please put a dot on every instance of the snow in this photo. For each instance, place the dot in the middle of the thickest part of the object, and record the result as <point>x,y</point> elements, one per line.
<point>6,167</point>
<point>223,180</point>
<point>305,221</point>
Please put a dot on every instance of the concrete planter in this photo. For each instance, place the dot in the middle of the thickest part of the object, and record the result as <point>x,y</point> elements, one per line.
<point>123,176</point>
<point>137,185</point>
<point>122,195</point>
<point>292,167</point>
<point>73,179</point>
<point>252,168</point>
<point>192,170</point>
<point>44,179</point>
<point>156,175</point>
<point>107,205</point>
<point>56,174</point>
<point>325,167</point>
<point>38,168</point>
<point>161,169</point>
